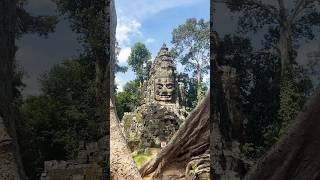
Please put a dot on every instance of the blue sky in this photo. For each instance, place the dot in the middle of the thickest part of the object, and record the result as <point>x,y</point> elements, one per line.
<point>151,22</point>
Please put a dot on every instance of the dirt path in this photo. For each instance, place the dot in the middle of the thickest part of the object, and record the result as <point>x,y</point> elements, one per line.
<point>174,171</point>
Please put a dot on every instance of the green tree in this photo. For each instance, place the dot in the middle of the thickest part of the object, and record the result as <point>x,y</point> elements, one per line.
<point>132,87</point>
<point>127,100</point>
<point>52,124</point>
<point>89,19</point>
<point>191,90</point>
<point>27,23</point>
<point>124,103</point>
<point>139,61</point>
<point>72,84</point>
<point>201,91</point>
<point>41,133</point>
<point>191,43</point>
<point>259,89</point>
<point>285,27</point>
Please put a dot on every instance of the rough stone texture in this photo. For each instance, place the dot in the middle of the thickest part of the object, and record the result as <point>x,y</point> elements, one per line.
<point>162,105</point>
<point>88,153</point>
<point>7,167</point>
<point>122,165</point>
<point>88,164</point>
<point>159,125</point>
<point>163,85</point>
<point>132,127</point>
<point>68,170</point>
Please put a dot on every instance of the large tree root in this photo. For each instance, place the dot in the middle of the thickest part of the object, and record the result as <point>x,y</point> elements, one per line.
<point>198,167</point>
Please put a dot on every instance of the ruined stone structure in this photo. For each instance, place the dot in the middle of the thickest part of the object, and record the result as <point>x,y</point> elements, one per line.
<point>67,170</point>
<point>162,105</point>
<point>86,166</point>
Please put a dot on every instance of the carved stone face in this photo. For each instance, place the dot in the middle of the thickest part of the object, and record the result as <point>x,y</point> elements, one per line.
<point>164,88</point>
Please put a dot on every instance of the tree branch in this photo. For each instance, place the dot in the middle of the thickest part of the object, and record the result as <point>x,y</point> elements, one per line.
<point>268,8</point>
<point>299,6</point>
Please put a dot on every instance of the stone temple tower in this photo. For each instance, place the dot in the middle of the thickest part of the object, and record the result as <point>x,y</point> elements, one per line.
<point>163,86</point>
<point>162,104</point>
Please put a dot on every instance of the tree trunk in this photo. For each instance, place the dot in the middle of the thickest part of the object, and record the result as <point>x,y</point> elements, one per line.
<point>198,75</point>
<point>284,48</point>
<point>10,161</point>
<point>226,126</point>
<point>288,85</point>
<point>285,40</point>
<point>226,119</point>
<point>296,155</point>
<point>122,165</point>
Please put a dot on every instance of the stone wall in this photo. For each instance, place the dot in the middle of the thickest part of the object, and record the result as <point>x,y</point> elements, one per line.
<point>88,165</point>
<point>68,170</point>
<point>7,157</point>
<point>160,124</point>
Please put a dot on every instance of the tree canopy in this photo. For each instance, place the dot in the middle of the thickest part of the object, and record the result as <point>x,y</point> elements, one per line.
<point>139,61</point>
<point>128,99</point>
<point>191,43</point>
<point>55,122</point>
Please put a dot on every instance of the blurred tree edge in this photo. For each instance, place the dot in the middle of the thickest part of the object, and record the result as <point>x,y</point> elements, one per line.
<point>296,154</point>
<point>15,22</point>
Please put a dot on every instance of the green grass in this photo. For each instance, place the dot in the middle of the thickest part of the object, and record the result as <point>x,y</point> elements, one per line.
<point>141,158</point>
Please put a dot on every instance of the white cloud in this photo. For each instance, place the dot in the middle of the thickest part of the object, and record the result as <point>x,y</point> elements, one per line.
<point>124,54</point>
<point>150,40</point>
<point>206,78</point>
<point>120,83</point>
<point>126,28</point>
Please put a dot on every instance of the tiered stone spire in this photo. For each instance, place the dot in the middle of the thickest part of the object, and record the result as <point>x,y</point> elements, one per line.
<point>161,109</point>
<point>163,50</point>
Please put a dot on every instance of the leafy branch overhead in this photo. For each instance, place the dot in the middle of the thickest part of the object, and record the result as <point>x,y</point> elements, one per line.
<point>88,19</point>
<point>256,15</point>
<point>27,23</point>
<point>139,61</point>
